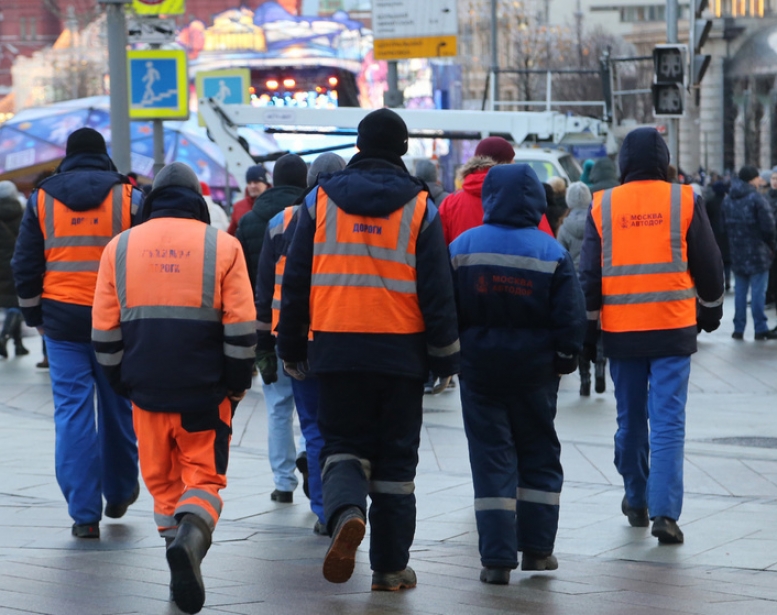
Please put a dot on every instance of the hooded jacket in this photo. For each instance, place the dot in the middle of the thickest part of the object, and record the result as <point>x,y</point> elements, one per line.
<point>82,182</point>
<point>750,228</point>
<point>463,209</point>
<point>10,220</point>
<point>374,187</point>
<point>645,157</point>
<point>178,363</point>
<point>519,302</point>
<point>572,229</point>
<point>603,175</point>
<point>252,226</point>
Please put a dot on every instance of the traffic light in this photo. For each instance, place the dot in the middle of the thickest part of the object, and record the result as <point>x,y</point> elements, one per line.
<point>669,80</point>
<point>700,31</point>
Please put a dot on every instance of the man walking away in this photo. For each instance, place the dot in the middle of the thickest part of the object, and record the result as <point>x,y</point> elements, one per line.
<point>367,272</point>
<point>650,265</point>
<point>69,219</point>
<point>175,329</point>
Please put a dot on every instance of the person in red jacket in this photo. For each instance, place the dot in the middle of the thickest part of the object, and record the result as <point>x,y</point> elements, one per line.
<point>256,183</point>
<point>463,209</point>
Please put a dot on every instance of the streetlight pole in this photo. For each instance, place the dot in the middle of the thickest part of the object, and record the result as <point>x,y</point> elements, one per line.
<point>673,125</point>
<point>117,69</point>
<point>494,51</point>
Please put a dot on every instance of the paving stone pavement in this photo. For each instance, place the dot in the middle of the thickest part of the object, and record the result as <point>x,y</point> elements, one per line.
<point>266,559</point>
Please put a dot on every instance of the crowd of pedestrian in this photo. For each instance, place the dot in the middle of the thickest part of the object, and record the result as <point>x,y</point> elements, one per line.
<point>352,289</point>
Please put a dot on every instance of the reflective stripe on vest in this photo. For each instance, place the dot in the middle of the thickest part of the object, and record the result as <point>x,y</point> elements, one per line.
<point>204,312</point>
<point>364,277</point>
<point>646,284</point>
<point>74,241</point>
<point>280,267</point>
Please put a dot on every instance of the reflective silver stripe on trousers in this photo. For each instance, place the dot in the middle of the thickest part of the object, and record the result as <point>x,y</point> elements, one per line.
<point>364,280</point>
<point>656,297</point>
<point>198,510</point>
<point>331,246</point>
<point>203,495</point>
<point>109,359</point>
<point>678,265</point>
<point>504,260</point>
<point>72,266</point>
<point>52,241</point>
<point>31,302</point>
<point>494,504</point>
<point>445,351</point>
<point>165,520</point>
<point>240,328</point>
<point>239,352</point>
<point>712,304</point>
<point>204,313</point>
<point>263,326</point>
<point>337,458</point>
<point>111,335</point>
<point>594,315</point>
<point>533,496</point>
<point>392,487</point>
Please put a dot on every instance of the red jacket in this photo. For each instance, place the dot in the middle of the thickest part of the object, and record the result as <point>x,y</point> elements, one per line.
<point>463,209</point>
<point>240,209</point>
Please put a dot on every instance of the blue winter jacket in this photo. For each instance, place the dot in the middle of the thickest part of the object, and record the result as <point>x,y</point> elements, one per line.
<point>371,187</point>
<point>521,310</point>
<point>749,224</point>
<point>82,182</point>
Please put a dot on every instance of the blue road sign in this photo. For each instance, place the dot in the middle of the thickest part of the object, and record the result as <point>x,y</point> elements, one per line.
<point>229,87</point>
<point>159,84</point>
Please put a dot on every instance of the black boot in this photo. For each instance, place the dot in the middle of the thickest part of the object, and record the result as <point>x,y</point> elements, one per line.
<point>3,341</point>
<point>585,377</point>
<point>184,556</point>
<point>601,383</point>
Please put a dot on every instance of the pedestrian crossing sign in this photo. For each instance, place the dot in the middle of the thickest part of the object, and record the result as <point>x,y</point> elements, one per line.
<point>158,84</point>
<point>228,87</point>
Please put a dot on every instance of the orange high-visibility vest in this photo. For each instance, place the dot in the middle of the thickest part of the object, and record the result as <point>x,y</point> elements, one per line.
<point>74,242</point>
<point>364,276</point>
<point>646,285</point>
<point>280,267</point>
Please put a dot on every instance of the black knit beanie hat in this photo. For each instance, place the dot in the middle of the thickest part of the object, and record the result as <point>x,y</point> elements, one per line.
<point>86,140</point>
<point>383,130</point>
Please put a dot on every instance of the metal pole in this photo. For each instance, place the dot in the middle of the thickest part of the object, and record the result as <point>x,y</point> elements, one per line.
<point>494,57</point>
<point>159,138</point>
<point>393,98</point>
<point>548,91</point>
<point>673,126</point>
<point>117,68</point>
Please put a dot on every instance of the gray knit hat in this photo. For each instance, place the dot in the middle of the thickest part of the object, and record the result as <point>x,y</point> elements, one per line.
<point>328,162</point>
<point>177,174</point>
<point>426,170</point>
<point>8,190</point>
<point>578,196</point>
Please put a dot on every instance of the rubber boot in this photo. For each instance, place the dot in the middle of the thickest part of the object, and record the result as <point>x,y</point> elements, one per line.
<point>601,382</point>
<point>184,556</point>
<point>585,377</point>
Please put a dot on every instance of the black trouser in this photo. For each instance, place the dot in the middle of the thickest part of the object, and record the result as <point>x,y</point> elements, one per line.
<point>371,425</point>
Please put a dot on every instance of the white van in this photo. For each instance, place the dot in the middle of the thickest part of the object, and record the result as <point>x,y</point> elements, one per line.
<point>548,163</point>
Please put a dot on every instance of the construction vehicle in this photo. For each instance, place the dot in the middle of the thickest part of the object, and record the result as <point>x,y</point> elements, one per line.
<point>222,122</point>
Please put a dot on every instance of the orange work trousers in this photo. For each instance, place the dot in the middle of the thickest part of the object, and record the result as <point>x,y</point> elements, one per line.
<point>183,461</point>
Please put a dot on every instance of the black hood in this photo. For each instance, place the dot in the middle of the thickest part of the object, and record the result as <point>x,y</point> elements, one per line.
<point>373,187</point>
<point>740,189</point>
<point>175,202</point>
<point>513,195</point>
<point>643,156</point>
<point>603,175</point>
<point>83,181</point>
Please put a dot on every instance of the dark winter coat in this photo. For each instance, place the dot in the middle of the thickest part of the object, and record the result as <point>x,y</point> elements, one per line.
<point>371,187</point>
<point>713,200</point>
<point>750,228</point>
<point>10,220</point>
<point>82,182</point>
<point>252,226</point>
<point>521,310</point>
<point>645,157</point>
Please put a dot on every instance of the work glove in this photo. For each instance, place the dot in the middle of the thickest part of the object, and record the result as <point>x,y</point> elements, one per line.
<point>708,319</point>
<point>267,364</point>
<point>564,363</point>
<point>298,370</point>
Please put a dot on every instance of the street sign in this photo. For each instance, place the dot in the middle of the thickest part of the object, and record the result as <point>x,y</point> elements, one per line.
<point>159,7</point>
<point>229,87</point>
<point>158,85</point>
<point>404,29</point>
<point>151,31</point>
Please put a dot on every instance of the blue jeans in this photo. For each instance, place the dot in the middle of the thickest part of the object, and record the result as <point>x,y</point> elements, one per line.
<point>651,392</point>
<point>279,400</point>
<point>757,283</point>
<point>306,398</point>
<point>93,458</point>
